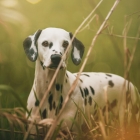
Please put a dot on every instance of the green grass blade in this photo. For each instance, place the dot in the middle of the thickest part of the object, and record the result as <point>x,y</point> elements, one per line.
<point>11,90</point>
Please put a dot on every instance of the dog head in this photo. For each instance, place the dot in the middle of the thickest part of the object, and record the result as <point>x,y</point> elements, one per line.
<point>49,45</point>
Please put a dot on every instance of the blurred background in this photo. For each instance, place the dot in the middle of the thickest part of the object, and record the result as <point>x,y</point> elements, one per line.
<point>20,18</point>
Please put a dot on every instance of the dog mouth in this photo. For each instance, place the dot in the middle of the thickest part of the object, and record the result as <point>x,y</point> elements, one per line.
<point>54,66</point>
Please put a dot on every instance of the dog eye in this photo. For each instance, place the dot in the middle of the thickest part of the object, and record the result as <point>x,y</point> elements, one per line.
<point>45,43</point>
<point>65,44</point>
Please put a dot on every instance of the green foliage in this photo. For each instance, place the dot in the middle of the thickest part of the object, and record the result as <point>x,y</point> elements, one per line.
<point>10,115</point>
<point>8,90</point>
<point>23,18</point>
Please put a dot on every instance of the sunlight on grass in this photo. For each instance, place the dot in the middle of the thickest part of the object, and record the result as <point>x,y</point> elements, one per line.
<point>9,3</point>
<point>33,1</point>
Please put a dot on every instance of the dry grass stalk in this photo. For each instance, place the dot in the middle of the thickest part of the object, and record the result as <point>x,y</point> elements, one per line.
<point>121,36</point>
<point>106,100</point>
<point>123,98</point>
<point>88,24</point>
<point>17,120</point>
<point>110,33</point>
<point>102,124</point>
<point>132,54</point>
<point>49,134</point>
<point>103,130</point>
<point>19,132</point>
<point>127,65</point>
<point>71,138</point>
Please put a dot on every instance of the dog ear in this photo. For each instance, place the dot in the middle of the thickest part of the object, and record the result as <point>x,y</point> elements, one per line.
<point>30,46</point>
<point>77,50</point>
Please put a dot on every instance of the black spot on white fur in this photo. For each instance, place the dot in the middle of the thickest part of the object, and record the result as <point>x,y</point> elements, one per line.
<point>86,92</point>
<point>81,92</point>
<point>37,103</point>
<point>81,80</point>
<point>85,75</point>
<point>90,100</point>
<point>110,83</point>
<point>50,99</point>
<point>92,90</point>
<point>41,63</point>
<point>61,99</point>
<point>57,87</point>
<point>109,75</point>
<point>58,108</point>
<point>50,45</point>
<point>44,114</point>
<point>67,75</point>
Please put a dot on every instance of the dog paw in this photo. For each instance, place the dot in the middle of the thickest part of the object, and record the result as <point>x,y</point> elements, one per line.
<point>46,122</point>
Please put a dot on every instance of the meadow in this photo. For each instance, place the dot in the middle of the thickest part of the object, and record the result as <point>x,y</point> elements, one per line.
<point>115,49</point>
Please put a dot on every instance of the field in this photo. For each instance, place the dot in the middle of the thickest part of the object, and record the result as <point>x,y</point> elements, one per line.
<point>109,29</point>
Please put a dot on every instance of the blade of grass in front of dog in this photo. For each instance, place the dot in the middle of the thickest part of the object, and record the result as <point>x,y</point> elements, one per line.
<point>6,115</point>
<point>68,130</point>
<point>29,114</point>
<point>84,116</point>
<point>56,132</point>
<point>125,32</point>
<point>102,125</point>
<point>86,119</point>
<point>37,130</point>
<point>15,122</point>
<point>106,102</point>
<point>11,90</point>
<point>74,119</point>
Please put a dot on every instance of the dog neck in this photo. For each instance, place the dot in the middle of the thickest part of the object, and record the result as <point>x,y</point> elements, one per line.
<point>56,95</point>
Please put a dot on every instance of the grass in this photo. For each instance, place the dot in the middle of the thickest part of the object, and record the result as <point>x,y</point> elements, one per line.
<point>13,126</point>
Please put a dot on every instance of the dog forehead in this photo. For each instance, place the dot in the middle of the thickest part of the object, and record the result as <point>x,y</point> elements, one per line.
<point>55,33</point>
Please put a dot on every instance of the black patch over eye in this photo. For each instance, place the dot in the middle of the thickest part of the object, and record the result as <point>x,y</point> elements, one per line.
<point>65,44</point>
<point>45,43</point>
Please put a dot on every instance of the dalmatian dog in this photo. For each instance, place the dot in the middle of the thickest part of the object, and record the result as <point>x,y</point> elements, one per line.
<point>46,47</point>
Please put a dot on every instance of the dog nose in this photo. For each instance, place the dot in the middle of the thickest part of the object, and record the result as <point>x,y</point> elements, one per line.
<point>55,58</point>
